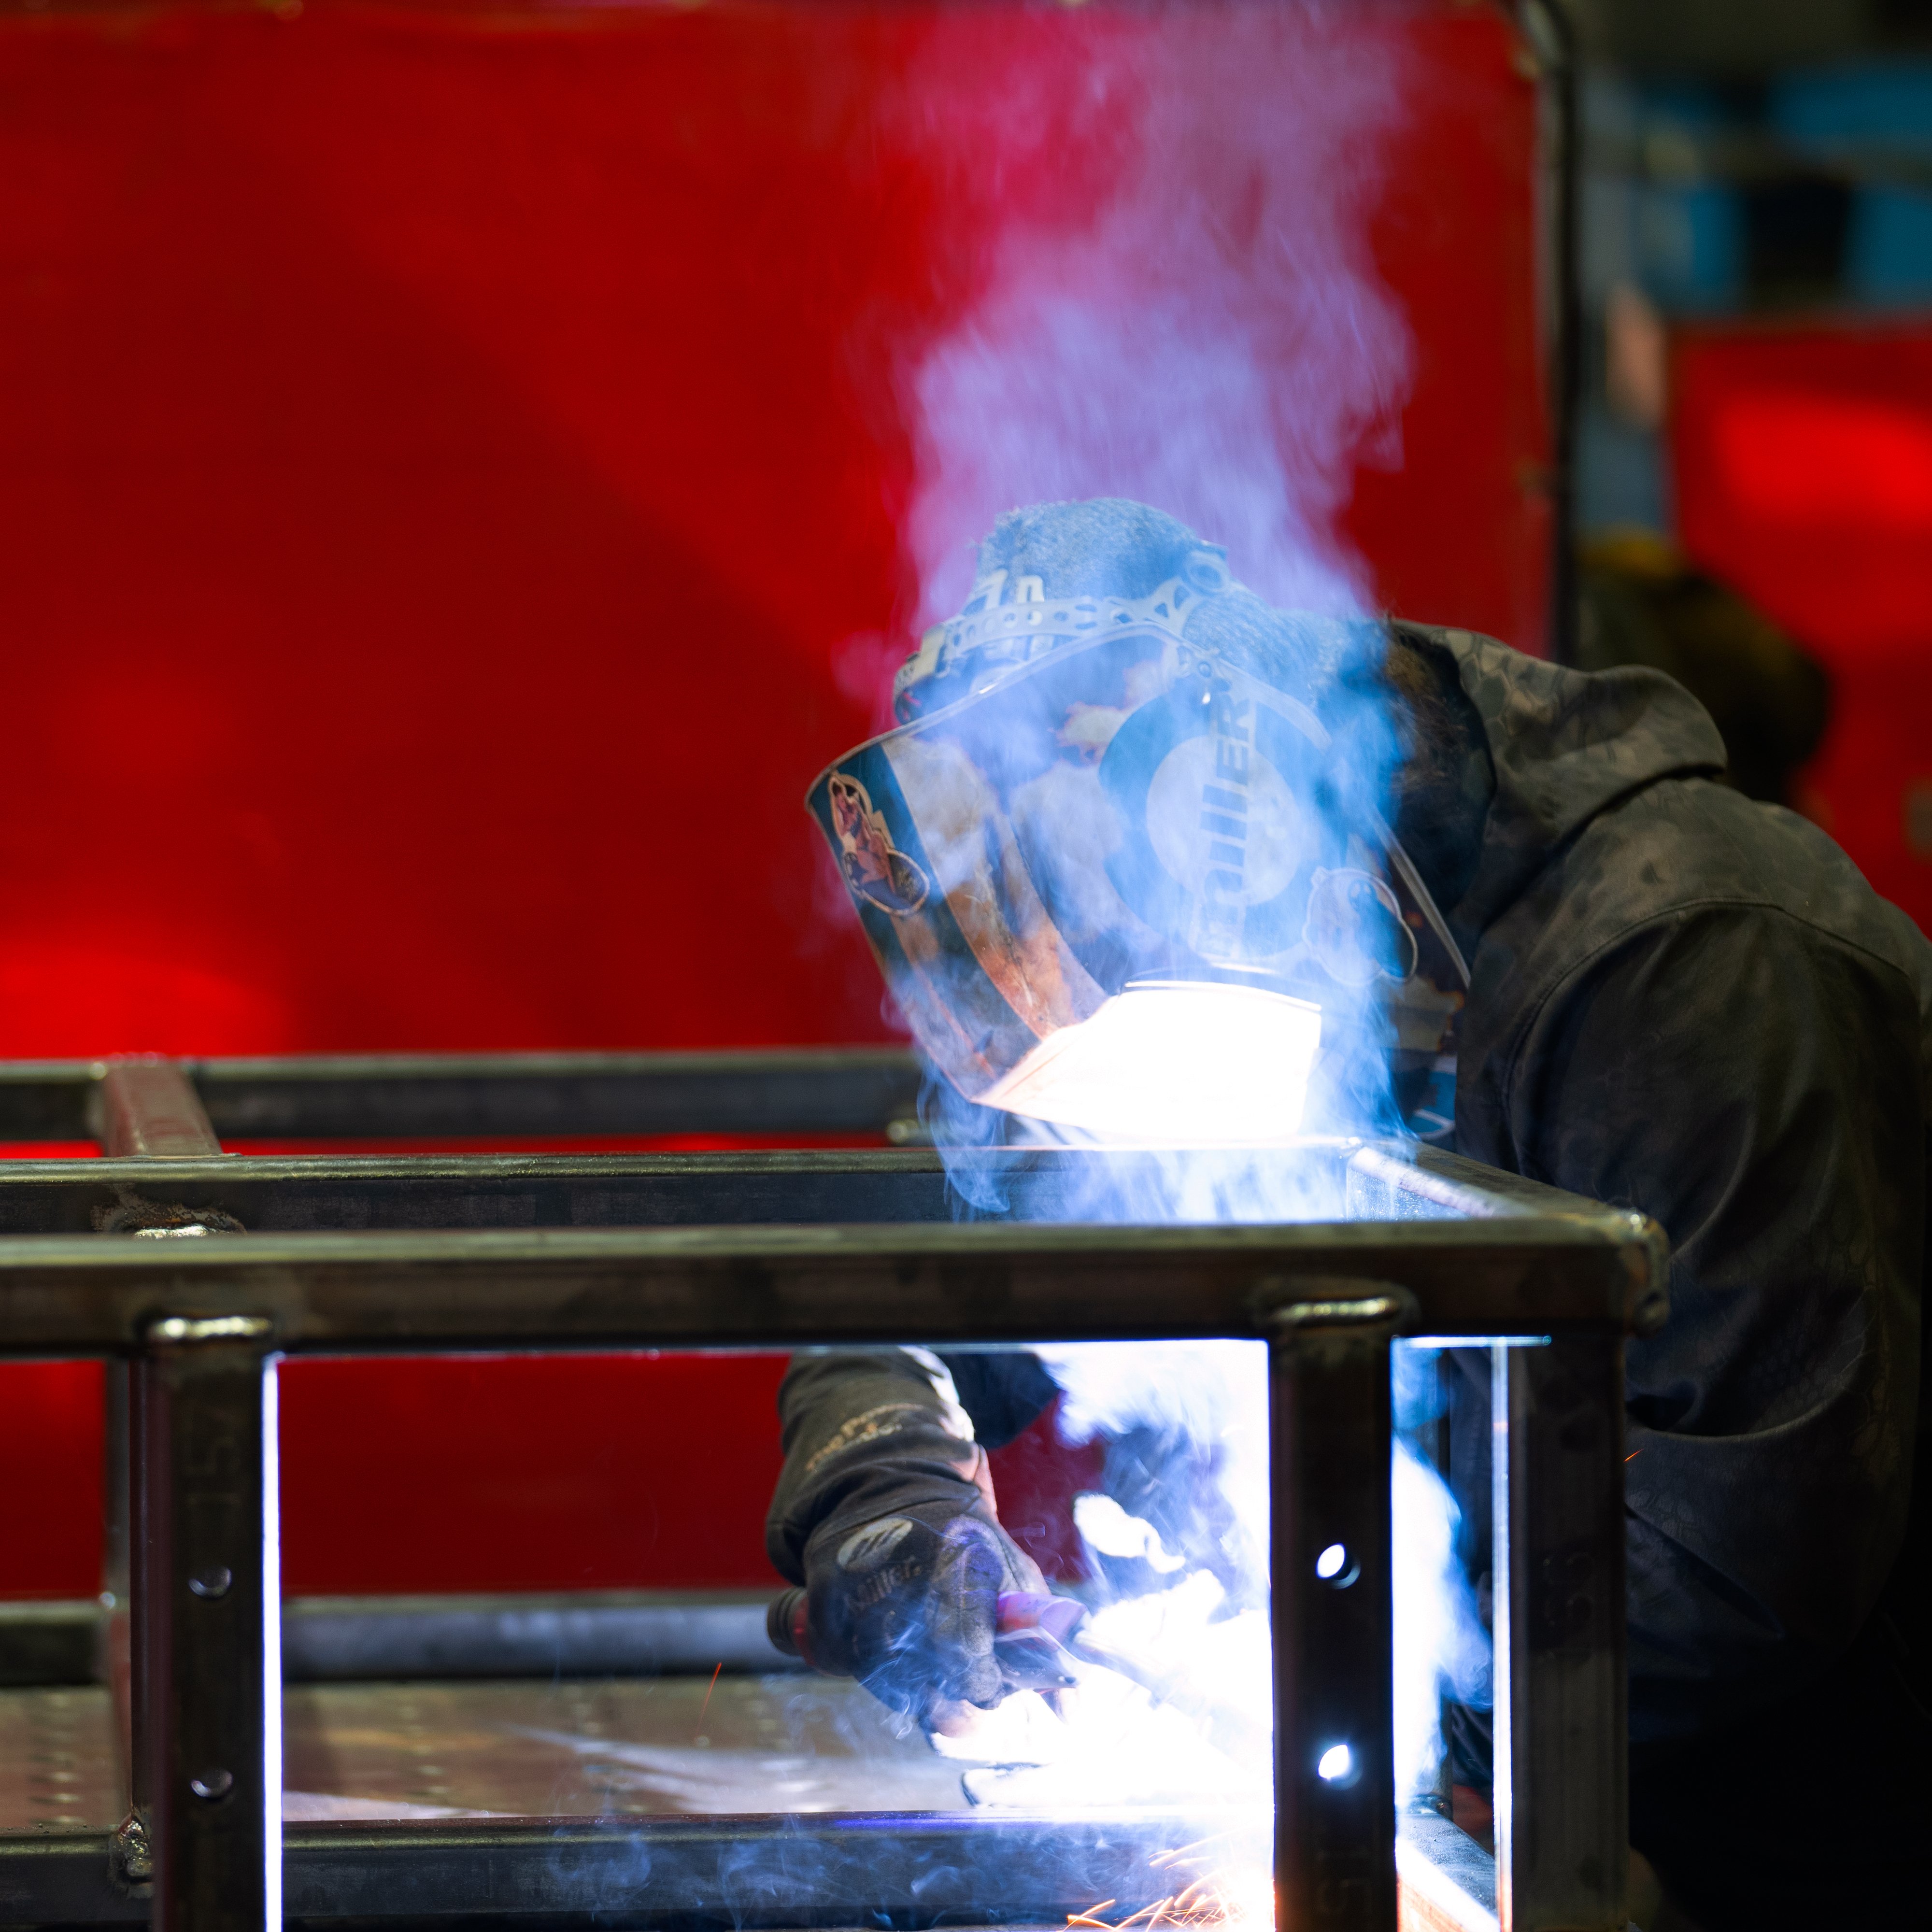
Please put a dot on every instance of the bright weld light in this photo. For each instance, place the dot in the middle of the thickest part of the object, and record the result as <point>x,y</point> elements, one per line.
<point>1329,1564</point>
<point>1108,1528</point>
<point>1182,1063</point>
<point>1335,1763</point>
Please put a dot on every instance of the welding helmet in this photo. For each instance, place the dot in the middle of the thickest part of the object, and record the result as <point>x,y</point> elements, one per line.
<point>1123,863</point>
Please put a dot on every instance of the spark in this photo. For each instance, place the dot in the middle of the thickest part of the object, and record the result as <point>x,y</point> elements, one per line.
<point>1633,1455</point>
<point>706,1705</point>
<point>1218,1897</point>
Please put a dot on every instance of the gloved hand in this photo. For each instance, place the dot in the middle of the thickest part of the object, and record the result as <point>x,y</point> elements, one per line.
<point>910,1606</point>
<point>885,1514</point>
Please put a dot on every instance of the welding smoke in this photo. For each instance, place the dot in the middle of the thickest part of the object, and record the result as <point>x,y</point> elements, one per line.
<point>1441,1649</point>
<point>1200,328</point>
<point>1164,291</point>
<point>1178,1546</point>
<point>1193,1418</point>
<point>1185,313</point>
<point>1180,1597</point>
<point>1212,337</point>
<point>1204,1405</point>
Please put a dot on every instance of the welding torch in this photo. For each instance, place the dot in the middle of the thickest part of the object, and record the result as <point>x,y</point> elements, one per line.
<point>1033,1635</point>
<point>1035,1638</point>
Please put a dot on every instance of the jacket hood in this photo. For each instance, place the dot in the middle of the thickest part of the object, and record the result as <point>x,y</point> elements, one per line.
<point>1566,746</point>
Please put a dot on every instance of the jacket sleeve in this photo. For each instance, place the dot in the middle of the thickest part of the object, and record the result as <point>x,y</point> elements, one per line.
<point>1754,1083</point>
<point>866,1432</point>
<point>858,1425</point>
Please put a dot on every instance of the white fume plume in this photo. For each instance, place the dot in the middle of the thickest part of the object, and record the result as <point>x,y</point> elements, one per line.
<point>1441,1646</point>
<point>1217,342</point>
<point>1205,332</point>
<point>1105,1526</point>
<point>1189,1709</point>
<point>1211,1395</point>
<point>1186,1716</point>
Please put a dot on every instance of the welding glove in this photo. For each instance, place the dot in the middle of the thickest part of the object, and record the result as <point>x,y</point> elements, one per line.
<point>884,1513</point>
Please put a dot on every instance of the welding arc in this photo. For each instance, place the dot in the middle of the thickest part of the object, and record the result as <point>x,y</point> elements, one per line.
<point>1161,1685</point>
<point>1231,1730</point>
<point>1062,1628</point>
<point>1058,1625</point>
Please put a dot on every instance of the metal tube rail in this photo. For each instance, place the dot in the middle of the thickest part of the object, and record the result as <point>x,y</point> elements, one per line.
<point>391,1097</point>
<point>144,1110</point>
<point>1334,1621</point>
<point>1439,1248</point>
<point>289,1193</point>
<point>1561,1802</point>
<point>811,1869</point>
<point>709,1287</point>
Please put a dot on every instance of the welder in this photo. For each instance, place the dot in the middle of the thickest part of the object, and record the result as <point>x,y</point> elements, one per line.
<point>1556,940</point>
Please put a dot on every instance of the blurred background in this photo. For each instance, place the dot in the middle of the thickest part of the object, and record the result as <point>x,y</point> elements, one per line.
<point>459,479</point>
<point>1756,283</point>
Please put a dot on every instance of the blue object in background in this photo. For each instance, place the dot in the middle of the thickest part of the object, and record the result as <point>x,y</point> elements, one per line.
<point>1689,239</point>
<point>1888,253</point>
<point>1868,105</point>
<point>1620,480</point>
<point>1691,246</point>
<point>1864,114</point>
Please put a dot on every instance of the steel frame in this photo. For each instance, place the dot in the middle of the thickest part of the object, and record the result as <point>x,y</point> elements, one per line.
<point>356,1254</point>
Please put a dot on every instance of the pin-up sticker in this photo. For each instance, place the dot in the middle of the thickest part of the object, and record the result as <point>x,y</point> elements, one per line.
<point>875,868</point>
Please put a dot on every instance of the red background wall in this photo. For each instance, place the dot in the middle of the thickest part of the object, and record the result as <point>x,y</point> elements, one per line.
<point>1803,463</point>
<point>442,456</point>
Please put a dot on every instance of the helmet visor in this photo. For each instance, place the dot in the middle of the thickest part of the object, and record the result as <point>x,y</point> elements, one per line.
<point>1069,849</point>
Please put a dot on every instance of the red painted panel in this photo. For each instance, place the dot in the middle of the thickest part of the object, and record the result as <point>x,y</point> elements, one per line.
<point>50,1479</point>
<point>1803,459</point>
<point>1453,513</point>
<point>527,1472</point>
<point>456,476</point>
<point>1035,1478</point>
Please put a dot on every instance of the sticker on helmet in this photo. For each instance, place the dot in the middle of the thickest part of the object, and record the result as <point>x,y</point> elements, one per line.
<point>876,870</point>
<point>1205,779</point>
<point>1223,824</point>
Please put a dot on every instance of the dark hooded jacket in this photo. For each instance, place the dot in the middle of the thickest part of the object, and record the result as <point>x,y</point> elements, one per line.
<point>1690,1004</point>
<point>1693,1005</point>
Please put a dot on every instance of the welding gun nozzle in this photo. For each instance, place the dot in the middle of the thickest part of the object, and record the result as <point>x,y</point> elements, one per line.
<point>785,1625</point>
